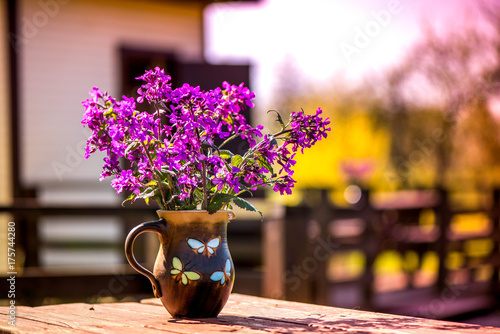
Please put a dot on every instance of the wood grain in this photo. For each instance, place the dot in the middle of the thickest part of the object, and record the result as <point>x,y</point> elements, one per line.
<point>242,314</point>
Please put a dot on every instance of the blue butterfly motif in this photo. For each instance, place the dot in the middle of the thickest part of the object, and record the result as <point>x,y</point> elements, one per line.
<point>204,248</point>
<point>222,276</point>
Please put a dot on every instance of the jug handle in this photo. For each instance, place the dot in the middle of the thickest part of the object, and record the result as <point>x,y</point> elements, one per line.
<point>153,226</point>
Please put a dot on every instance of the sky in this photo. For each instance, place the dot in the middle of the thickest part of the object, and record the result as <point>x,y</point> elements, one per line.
<point>325,39</point>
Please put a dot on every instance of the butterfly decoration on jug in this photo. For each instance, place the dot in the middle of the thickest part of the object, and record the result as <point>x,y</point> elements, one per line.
<point>207,248</point>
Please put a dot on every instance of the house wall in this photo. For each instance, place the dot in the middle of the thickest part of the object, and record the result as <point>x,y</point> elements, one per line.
<point>67,47</point>
<point>4,111</point>
<point>5,191</point>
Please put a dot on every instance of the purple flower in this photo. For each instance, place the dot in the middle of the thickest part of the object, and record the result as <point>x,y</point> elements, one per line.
<point>176,154</point>
<point>306,130</point>
<point>125,180</point>
<point>284,185</point>
<point>157,85</point>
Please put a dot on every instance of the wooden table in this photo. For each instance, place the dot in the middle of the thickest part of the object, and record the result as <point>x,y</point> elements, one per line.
<point>243,314</point>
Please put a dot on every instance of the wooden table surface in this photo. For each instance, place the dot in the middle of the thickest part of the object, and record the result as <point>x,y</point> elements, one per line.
<point>242,314</point>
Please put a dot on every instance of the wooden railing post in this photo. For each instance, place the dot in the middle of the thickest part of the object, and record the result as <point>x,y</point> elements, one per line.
<point>371,247</point>
<point>297,277</point>
<point>273,258</point>
<point>27,236</point>
<point>443,215</point>
<point>321,216</point>
<point>495,218</point>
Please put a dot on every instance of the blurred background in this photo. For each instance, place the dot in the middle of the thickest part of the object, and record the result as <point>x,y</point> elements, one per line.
<point>398,210</point>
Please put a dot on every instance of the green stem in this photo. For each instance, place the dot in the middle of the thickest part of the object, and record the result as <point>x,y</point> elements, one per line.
<point>258,185</point>
<point>204,178</point>
<point>228,140</point>
<point>155,173</point>
<point>281,132</point>
<point>159,119</point>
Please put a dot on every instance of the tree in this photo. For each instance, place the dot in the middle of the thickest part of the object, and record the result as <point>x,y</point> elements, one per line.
<point>449,75</point>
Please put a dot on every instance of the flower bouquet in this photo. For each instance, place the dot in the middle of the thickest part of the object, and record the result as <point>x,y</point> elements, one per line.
<point>177,154</point>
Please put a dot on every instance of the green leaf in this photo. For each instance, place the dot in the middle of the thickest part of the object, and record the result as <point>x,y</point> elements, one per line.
<point>243,204</point>
<point>245,188</point>
<point>279,119</point>
<point>264,163</point>
<point>198,194</point>
<point>220,200</point>
<point>166,170</point>
<point>229,120</point>
<point>165,107</point>
<point>108,113</point>
<point>157,197</point>
<point>273,141</point>
<point>191,206</point>
<point>236,160</point>
<point>132,146</point>
<point>225,154</point>
<point>148,192</point>
<point>131,197</point>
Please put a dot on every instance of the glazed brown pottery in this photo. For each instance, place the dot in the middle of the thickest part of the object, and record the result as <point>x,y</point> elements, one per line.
<point>193,274</point>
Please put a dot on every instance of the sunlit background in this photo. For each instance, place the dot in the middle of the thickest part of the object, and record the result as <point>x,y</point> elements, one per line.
<point>411,89</point>
<point>404,82</point>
